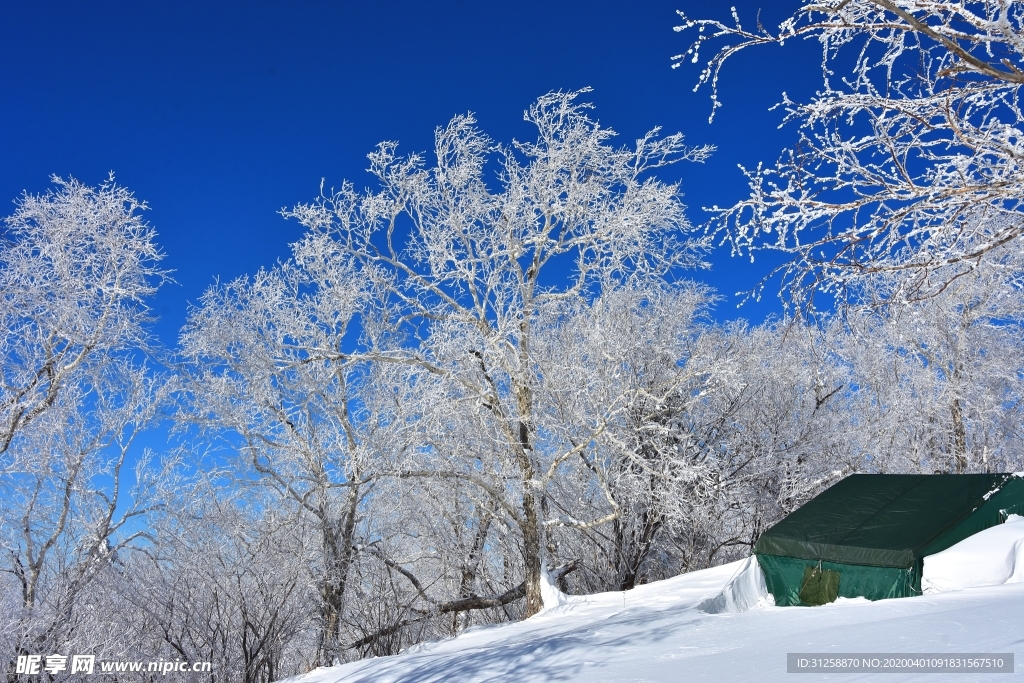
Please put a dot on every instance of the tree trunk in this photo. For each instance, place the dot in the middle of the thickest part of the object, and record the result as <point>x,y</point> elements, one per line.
<point>959,425</point>
<point>532,555</point>
<point>337,548</point>
<point>630,563</point>
<point>959,437</point>
<point>472,563</point>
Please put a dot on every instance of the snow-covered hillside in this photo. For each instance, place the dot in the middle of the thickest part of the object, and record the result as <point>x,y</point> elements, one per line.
<point>656,633</point>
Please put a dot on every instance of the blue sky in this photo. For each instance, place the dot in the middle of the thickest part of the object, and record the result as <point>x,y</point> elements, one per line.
<point>221,113</point>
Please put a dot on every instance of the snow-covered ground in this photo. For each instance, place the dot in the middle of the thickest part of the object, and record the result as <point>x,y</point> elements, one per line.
<point>656,633</point>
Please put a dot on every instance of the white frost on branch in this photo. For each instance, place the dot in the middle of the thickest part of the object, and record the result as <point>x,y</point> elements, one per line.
<point>910,164</point>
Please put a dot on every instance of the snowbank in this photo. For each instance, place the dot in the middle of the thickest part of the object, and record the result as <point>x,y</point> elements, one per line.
<point>988,558</point>
<point>654,634</point>
<point>745,590</point>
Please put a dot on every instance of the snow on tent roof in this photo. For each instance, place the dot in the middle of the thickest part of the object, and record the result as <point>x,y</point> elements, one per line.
<point>891,520</point>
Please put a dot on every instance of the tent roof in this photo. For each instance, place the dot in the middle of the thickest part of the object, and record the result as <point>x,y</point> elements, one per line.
<point>883,520</point>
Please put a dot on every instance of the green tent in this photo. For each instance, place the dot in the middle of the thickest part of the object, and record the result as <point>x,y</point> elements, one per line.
<point>868,534</point>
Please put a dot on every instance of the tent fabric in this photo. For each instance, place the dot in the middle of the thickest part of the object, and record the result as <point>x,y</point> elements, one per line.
<point>875,529</point>
<point>1008,500</point>
<point>784,577</point>
<point>882,520</point>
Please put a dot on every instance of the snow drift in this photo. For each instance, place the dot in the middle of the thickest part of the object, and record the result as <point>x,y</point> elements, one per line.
<point>745,590</point>
<point>988,558</point>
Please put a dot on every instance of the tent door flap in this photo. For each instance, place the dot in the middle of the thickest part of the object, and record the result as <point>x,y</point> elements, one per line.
<point>819,587</point>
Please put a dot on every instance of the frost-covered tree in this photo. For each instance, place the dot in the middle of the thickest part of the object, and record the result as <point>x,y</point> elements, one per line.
<point>76,502</point>
<point>225,582</point>
<point>270,376</point>
<point>938,383</point>
<point>908,158</point>
<point>470,260</point>
<point>784,425</point>
<point>641,349</point>
<point>76,267</point>
<point>726,429</point>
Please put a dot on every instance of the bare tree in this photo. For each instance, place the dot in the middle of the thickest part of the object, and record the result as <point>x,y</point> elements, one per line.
<point>909,164</point>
